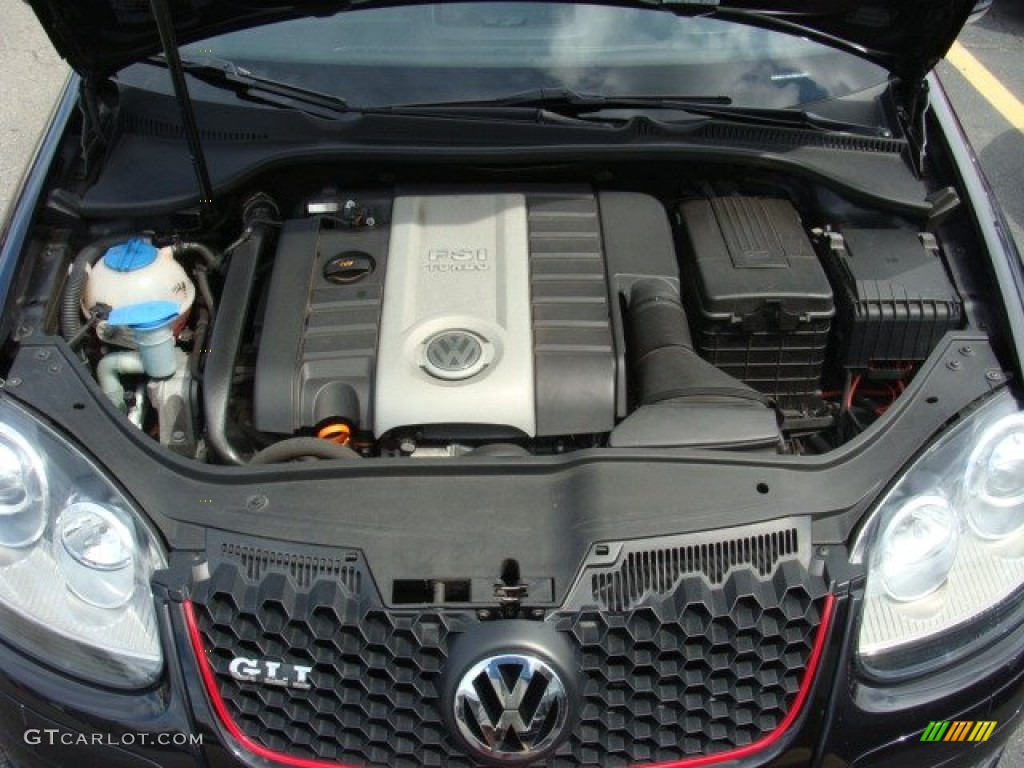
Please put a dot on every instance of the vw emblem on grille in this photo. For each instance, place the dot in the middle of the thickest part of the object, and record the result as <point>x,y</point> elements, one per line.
<point>454,354</point>
<point>511,708</point>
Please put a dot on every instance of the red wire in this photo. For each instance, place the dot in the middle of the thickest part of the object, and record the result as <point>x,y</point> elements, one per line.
<point>853,388</point>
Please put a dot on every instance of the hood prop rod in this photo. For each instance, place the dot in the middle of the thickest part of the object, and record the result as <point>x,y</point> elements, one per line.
<point>165,26</point>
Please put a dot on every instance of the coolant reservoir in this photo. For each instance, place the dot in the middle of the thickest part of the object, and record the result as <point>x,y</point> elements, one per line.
<point>132,272</point>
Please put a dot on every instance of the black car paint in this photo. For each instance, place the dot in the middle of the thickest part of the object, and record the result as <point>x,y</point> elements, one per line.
<point>837,726</point>
<point>908,37</point>
<point>988,215</point>
<point>834,728</point>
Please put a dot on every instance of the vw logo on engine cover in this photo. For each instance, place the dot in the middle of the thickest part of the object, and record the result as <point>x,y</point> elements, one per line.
<point>454,354</point>
<point>511,708</point>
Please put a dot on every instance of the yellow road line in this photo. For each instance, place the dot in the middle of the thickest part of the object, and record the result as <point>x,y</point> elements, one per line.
<point>988,85</point>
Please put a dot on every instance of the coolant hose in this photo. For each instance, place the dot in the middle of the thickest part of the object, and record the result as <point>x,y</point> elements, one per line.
<point>302,447</point>
<point>211,263</point>
<point>203,285</point>
<point>205,252</point>
<point>111,368</point>
<point>71,306</point>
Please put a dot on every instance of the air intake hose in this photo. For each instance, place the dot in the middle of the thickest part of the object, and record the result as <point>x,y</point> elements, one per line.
<point>664,363</point>
<point>259,218</point>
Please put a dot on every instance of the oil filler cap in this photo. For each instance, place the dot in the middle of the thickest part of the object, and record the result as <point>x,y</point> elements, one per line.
<point>349,267</point>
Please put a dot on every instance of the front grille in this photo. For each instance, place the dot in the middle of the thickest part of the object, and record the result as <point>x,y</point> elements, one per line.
<point>698,669</point>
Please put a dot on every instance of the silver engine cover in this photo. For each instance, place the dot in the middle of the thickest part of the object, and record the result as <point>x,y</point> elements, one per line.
<point>456,338</point>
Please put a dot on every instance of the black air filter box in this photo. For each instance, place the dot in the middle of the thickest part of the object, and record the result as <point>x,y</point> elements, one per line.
<point>895,298</point>
<point>765,304</point>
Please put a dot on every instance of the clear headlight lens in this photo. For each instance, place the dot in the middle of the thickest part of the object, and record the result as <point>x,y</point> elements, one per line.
<point>946,545</point>
<point>919,546</point>
<point>23,493</point>
<point>995,481</point>
<point>75,561</point>
<point>96,553</point>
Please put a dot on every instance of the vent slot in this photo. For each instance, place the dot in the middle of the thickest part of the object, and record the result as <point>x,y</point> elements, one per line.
<point>760,136</point>
<point>303,569</point>
<point>430,591</point>
<point>149,126</point>
<point>659,570</point>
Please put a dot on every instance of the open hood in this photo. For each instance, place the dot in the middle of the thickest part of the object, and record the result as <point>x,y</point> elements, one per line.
<point>908,37</point>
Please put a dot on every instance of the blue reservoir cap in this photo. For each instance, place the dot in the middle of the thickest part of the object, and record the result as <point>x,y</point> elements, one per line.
<point>130,256</point>
<point>144,316</point>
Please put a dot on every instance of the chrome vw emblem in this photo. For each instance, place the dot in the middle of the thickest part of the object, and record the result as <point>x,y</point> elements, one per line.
<point>454,354</point>
<point>511,707</point>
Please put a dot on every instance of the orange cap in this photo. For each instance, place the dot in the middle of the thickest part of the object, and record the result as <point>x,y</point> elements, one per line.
<point>338,432</point>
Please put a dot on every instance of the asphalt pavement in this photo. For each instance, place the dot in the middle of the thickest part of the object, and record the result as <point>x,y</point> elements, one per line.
<point>996,41</point>
<point>32,75</point>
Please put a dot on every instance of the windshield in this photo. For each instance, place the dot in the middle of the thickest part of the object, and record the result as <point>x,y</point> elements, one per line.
<point>483,50</point>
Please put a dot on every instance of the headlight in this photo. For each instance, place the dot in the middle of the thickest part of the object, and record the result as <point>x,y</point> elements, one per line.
<point>918,548</point>
<point>946,547</point>
<point>995,481</point>
<point>75,561</point>
<point>23,496</point>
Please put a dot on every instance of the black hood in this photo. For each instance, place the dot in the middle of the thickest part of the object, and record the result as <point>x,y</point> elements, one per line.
<point>908,37</point>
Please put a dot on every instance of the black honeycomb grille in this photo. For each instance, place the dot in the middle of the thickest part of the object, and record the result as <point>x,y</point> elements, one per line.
<point>701,669</point>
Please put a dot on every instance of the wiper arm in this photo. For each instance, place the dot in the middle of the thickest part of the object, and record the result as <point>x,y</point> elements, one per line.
<point>226,74</point>
<point>566,101</point>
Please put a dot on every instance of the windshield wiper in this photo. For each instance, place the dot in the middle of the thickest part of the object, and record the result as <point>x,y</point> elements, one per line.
<point>226,74</point>
<point>565,101</point>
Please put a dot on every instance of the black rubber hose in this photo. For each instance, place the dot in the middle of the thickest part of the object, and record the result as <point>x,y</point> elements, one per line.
<point>226,339</point>
<point>202,329</point>
<point>71,306</point>
<point>295,448</point>
<point>205,252</point>
<point>664,363</point>
<point>656,318</point>
<point>259,218</point>
<point>203,285</point>
<point>499,451</point>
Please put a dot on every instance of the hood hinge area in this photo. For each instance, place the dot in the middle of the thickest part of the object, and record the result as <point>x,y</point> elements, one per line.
<point>99,121</point>
<point>913,114</point>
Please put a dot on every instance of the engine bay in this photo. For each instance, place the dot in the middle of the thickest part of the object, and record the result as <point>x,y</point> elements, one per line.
<point>416,319</point>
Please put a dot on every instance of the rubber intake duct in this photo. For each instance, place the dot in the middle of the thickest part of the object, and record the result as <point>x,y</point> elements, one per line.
<point>665,365</point>
<point>682,400</point>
